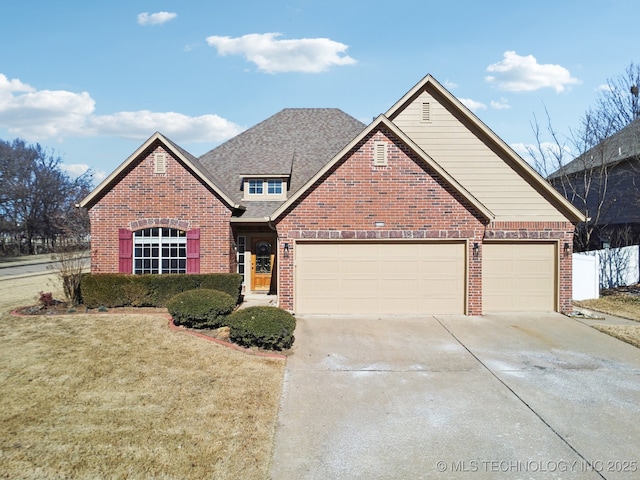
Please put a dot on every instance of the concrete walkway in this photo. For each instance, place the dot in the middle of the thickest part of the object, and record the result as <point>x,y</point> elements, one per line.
<point>500,396</point>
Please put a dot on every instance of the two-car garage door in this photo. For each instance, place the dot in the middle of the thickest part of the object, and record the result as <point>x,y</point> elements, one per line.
<point>380,278</point>
<point>422,278</point>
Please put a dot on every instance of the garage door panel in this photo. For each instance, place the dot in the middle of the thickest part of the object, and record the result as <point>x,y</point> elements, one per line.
<point>380,278</point>
<point>519,277</point>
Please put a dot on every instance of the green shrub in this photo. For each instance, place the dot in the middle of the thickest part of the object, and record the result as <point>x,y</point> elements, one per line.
<point>202,308</point>
<point>120,290</point>
<point>265,327</point>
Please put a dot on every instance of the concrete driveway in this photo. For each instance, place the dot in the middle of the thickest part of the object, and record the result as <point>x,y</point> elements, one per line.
<point>499,396</point>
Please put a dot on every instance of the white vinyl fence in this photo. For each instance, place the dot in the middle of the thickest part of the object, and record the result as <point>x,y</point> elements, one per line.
<point>607,268</point>
<point>586,276</point>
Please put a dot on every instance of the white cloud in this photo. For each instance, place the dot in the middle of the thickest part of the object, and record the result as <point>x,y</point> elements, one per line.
<point>32,113</point>
<point>74,169</point>
<point>270,55</point>
<point>178,127</point>
<point>472,104</point>
<point>502,104</point>
<point>516,73</point>
<point>41,114</point>
<point>158,18</point>
<point>450,85</point>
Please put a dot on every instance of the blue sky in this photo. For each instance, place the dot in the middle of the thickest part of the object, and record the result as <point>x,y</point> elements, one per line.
<point>91,81</point>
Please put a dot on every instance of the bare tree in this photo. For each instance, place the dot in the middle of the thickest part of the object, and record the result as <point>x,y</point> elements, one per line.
<point>37,198</point>
<point>600,180</point>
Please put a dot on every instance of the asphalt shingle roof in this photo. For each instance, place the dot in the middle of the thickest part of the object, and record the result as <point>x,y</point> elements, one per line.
<point>622,145</point>
<point>295,141</point>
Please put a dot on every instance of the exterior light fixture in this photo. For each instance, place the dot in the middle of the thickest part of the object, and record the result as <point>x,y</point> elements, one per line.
<point>566,248</point>
<point>476,249</point>
<point>286,250</point>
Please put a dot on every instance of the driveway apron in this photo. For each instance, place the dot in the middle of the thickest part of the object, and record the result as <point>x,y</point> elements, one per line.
<point>498,396</point>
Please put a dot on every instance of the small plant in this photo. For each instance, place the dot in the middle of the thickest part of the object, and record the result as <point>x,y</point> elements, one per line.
<point>102,308</point>
<point>46,299</point>
<point>71,310</point>
<point>265,327</point>
<point>70,266</point>
<point>201,308</point>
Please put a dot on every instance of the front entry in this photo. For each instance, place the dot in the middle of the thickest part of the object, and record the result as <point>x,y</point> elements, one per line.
<point>262,258</point>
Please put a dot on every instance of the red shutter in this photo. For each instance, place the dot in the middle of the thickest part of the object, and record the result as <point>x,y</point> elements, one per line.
<point>125,264</point>
<point>193,251</point>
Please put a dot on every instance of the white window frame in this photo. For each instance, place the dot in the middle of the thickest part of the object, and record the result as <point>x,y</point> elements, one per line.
<point>159,250</point>
<point>255,186</point>
<point>274,186</point>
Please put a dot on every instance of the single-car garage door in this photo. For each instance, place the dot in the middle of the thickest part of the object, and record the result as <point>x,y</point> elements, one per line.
<point>519,276</point>
<point>379,278</point>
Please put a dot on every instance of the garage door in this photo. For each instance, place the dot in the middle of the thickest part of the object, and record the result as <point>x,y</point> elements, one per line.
<point>519,277</point>
<point>380,278</point>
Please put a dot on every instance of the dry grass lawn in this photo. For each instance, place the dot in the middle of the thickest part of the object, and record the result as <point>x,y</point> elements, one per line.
<point>122,396</point>
<point>619,305</point>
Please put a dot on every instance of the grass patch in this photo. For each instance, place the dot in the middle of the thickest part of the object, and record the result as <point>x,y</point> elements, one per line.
<point>626,333</point>
<point>619,305</point>
<point>122,396</point>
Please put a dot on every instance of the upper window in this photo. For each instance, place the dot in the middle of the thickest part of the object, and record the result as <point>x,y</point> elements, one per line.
<point>264,189</point>
<point>274,187</point>
<point>256,187</point>
<point>159,250</point>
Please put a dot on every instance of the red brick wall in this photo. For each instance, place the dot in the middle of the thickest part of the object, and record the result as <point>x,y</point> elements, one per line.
<point>176,199</point>
<point>347,201</point>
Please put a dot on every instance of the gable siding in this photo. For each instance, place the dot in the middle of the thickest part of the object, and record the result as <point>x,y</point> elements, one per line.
<point>143,199</point>
<point>347,201</point>
<point>467,159</point>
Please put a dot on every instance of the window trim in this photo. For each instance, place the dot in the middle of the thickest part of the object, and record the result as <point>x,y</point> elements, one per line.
<point>159,244</point>
<point>265,188</point>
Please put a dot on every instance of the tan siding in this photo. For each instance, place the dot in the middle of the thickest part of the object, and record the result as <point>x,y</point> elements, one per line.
<point>467,159</point>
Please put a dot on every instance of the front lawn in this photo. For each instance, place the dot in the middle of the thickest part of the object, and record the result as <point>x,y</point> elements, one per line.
<point>123,396</point>
<point>625,304</point>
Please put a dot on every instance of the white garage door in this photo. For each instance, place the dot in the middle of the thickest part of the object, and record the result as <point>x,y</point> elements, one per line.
<point>380,278</point>
<point>519,277</point>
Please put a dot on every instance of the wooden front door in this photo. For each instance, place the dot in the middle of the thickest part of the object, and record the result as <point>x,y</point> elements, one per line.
<point>262,257</point>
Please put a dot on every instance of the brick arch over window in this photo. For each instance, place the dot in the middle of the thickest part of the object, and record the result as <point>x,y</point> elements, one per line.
<point>125,248</point>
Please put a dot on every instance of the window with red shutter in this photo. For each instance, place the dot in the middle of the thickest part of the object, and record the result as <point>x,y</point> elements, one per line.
<point>125,245</point>
<point>193,251</point>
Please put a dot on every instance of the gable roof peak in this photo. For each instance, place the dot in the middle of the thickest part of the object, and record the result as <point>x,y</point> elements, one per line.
<point>191,162</point>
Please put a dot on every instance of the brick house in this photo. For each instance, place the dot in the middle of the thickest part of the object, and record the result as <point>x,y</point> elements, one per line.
<point>423,211</point>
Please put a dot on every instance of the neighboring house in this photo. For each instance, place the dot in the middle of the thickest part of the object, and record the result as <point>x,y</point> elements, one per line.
<point>423,211</point>
<point>604,184</point>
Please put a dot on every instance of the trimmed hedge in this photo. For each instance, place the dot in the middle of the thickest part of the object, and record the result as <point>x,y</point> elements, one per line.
<point>202,308</point>
<point>265,327</point>
<point>120,290</point>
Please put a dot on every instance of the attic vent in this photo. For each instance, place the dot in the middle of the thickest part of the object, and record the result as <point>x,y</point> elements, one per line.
<point>159,163</point>
<point>379,154</point>
<point>426,112</point>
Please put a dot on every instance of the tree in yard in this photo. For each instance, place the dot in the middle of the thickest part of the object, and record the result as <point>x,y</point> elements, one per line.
<point>37,198</point>
<point>595,166</point>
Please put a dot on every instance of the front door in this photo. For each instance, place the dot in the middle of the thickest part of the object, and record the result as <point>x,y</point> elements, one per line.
<point>262,257</point>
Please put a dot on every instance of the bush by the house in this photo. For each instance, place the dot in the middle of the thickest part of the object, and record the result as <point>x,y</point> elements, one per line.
<point>119,290</point>
<point>265,327</point>
<point>202,308</point>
